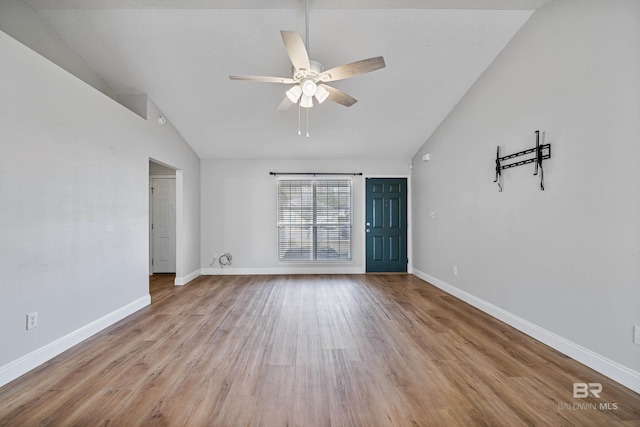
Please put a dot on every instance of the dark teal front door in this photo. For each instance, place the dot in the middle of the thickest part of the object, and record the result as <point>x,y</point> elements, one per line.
<point>386,224</point>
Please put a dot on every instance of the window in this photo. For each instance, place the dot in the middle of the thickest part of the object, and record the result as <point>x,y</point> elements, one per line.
<point>314,220</point>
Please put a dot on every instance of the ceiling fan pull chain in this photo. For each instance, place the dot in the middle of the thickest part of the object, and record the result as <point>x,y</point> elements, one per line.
<point>307,123</point>
<point>299,133</point>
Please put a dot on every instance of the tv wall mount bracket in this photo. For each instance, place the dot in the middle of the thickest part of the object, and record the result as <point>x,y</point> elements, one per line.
<point>540,152</point>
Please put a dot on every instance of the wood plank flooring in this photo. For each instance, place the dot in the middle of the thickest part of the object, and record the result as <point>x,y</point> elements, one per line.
<point>362,350</point>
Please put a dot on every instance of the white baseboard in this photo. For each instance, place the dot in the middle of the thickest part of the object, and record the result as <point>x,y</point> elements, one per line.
<point>24,364</point>
<point>619,373</point>
<point>280,270</point>
<point>183,280</point>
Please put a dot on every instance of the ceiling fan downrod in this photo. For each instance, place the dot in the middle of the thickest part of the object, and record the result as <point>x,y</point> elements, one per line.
<point>306,29</point>
<point>306,24</point>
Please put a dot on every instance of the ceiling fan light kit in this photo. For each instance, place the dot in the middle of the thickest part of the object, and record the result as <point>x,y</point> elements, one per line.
<point>309,87</point>
<point>321,94</point>
<point>294,94</point>
<point>306,101</point>
<point>309,78</point>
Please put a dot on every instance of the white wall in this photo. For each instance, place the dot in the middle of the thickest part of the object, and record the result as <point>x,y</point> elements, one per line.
<point>239,212</point>
<point>24,24</point>
<point>74,172</point>
<point>566,260</point>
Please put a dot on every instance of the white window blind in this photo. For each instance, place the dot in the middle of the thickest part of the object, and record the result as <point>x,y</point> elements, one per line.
<point>314,220</point>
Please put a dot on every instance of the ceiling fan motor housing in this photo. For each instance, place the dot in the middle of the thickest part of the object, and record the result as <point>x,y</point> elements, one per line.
<point>313,74</point>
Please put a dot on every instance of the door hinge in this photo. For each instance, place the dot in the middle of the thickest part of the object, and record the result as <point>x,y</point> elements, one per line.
<point>151,261</point>
<point>152,226</point>
<point>151,190</point>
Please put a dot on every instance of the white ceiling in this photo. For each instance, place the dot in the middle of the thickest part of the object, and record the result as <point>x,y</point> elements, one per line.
<point>180,53</point>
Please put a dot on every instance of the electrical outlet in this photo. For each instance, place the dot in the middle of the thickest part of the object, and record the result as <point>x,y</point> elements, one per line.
<point>636,334</point>
<point>455,270</point>
<point>32,320</point>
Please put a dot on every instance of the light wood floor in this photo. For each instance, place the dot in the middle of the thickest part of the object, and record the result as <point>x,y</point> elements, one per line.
<point>364,350</point>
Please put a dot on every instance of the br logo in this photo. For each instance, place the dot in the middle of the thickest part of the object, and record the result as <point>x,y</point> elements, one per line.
<point>582,390</point>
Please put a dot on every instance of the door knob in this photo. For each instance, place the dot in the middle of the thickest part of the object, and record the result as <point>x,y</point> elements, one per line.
<point>367,230</point>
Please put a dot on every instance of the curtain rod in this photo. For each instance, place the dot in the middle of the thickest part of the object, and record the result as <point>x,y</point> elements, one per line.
<point>313,173</point>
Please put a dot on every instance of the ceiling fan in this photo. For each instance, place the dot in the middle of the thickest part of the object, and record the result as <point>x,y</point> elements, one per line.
<point>309,77</point>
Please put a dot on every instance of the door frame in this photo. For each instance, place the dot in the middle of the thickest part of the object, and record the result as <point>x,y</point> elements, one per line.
<point>409,219</point>
<point>181,277</point>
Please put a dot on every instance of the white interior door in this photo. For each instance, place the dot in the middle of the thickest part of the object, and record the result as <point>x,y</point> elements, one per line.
<point>163,225</point>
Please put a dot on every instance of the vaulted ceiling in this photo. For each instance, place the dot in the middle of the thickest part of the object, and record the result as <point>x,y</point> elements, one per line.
<point>180,53</point>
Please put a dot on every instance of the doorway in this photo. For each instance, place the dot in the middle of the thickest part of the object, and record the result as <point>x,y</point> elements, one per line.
<point>386,225</point>
<point>162,219</point>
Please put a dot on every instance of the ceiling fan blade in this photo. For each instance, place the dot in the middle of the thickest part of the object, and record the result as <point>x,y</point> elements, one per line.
<point>285,104</point>
<point>354,69</point>
<point>264,79</point>
<point>296,50</point>
<point>339,96</point>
